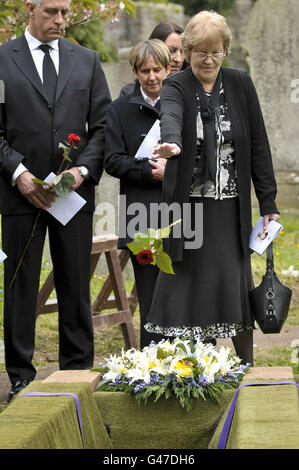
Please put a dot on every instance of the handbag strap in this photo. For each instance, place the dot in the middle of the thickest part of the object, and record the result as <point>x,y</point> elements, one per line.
<point>270,259</point>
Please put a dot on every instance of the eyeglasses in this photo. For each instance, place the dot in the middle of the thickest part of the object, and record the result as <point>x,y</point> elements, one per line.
<point>204,55</point>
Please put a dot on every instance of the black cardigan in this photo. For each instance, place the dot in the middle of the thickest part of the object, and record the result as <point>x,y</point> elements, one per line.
<point>129,118</point>
<point>252,150</point>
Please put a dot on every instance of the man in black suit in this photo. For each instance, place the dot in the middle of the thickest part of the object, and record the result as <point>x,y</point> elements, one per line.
<point>50,92</point>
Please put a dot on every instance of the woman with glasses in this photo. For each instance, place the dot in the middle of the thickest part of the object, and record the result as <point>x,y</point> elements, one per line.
<point>215,142</point>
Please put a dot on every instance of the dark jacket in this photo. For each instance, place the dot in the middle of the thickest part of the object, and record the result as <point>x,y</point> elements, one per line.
<point>129,118</point>
<point>253,155</point>
<point>31,132</point>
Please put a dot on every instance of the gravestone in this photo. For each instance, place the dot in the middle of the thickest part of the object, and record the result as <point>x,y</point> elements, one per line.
<point>272,45</point>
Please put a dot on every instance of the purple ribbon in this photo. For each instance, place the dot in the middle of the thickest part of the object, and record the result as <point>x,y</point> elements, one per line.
<point>230,414</point>
<point>46,394</point>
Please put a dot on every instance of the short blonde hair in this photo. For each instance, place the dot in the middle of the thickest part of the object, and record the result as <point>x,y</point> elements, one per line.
<point>206,27</point>
<point>154,47</point>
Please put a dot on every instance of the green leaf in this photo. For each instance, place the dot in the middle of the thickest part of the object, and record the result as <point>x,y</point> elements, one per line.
<point>182,347</point>
<point>62,183</point>
<point>137,245</point>
<point>66,157</point>
<point>130,7</point>
<point>162,353</point>
<point>165,231</point>
<point>151,233</point>
<point>164,263</point>
<point>38,181</point>
<point>158,245</point>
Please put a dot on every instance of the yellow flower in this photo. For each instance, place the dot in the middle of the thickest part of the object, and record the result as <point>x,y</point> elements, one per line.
<point>297,245</point>
<point>282,232</point>
<point>184,368</point>
<point>185,372</point>
<point>277,254</point>
<point>181,364</point>
<point>152,364</point>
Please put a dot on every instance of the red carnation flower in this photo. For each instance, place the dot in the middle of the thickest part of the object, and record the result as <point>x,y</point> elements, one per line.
<point>73,139</point>
<point>145,257</point>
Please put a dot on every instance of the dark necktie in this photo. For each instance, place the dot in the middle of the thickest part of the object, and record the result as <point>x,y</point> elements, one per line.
<point>49,74</point>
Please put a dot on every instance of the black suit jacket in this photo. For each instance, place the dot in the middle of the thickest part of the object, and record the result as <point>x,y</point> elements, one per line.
<point>31,131</point>
<point>129,118</point>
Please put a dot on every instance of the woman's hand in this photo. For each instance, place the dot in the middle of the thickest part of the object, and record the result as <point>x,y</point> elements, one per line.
<point>269,217</point>
<point>158,168</point>
<point>166,150</point>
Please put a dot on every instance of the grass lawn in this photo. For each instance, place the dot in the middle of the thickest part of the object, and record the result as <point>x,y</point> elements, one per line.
<point>109,339</point>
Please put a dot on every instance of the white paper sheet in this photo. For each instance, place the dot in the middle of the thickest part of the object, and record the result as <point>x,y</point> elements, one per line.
<point>150,141</point>
<point>259,240</point>
<point>64,208</point>
<point>3,256</point>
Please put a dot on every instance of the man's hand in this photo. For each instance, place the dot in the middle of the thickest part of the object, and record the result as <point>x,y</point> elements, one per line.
<point>158,168</point>
<point>35,193</point>
<point>78,178</point>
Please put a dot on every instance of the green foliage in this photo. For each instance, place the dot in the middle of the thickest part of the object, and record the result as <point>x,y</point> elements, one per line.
<point>194,6</point>
<point>153,241</point>
<point>92,35</point>
<point>84,23</point>
<point>62,184</point>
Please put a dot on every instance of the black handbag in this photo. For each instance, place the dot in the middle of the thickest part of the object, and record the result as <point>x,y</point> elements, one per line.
<point>270,301</point>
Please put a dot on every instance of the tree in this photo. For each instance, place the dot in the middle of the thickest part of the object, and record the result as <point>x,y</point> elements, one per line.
<point>14,18</point>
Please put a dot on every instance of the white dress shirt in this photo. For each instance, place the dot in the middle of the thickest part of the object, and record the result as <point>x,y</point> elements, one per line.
<point>38,57</point>
<point>147,99</point>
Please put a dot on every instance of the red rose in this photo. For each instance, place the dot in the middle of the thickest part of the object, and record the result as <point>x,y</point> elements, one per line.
<point>73,139</point>
<point>145,257</point>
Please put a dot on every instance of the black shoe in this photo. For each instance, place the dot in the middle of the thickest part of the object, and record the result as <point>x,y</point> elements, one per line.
<point>17,387</point>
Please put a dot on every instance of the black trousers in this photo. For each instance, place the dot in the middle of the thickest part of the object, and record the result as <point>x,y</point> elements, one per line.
<point>145,277</point>
<point>70,248</point>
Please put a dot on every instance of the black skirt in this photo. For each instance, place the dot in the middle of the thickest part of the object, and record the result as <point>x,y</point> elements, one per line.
<point>207,297</point>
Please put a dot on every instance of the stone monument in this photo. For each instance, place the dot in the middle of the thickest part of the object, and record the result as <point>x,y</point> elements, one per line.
<point>272,45</point>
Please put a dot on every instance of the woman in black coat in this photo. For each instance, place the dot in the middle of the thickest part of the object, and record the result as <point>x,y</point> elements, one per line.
<point>213,134</point>
<point>129,119</point>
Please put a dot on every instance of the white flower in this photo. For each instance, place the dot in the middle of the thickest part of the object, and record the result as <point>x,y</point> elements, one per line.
<point>139,373</point>
<point>116,368</point>
<point>184,358</point>
<point>290,272</point>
